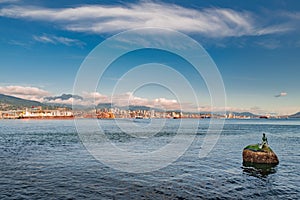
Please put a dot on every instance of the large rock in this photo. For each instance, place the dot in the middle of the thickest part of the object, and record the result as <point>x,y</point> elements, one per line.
<point>254,154</point>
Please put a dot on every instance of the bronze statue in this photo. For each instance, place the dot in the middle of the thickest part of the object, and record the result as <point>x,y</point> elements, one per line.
<point>264,141</point>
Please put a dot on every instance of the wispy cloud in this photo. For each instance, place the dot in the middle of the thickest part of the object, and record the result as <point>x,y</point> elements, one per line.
<point>18,43</point>
<point>30,93</point>
<point>269,44</point>
<point>209,22</point>
<point>57,40</point>
<point>281,94</point>
<point>291,15</point>
<point>9,1</point>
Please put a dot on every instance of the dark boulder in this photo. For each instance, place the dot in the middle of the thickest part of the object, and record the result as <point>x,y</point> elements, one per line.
<point>255,154</point>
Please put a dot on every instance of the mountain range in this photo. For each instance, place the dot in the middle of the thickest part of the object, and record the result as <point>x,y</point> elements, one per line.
<point>13,103</point>
<point>296,115</point>
<point>64,97</point>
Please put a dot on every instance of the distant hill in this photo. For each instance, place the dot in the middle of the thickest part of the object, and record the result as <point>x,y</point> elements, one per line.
<point>10,102</point>
<point>105,105</point>
<point>248,114</point>
<point>64,97</point>
<point>51,101</point>
<point>296,115</point>
<point>135,108</point>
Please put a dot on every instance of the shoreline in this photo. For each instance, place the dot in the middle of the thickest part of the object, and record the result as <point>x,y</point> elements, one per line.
<point>73,117</point>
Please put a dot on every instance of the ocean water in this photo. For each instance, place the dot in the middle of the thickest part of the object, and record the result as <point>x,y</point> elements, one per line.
<point>46,159</point>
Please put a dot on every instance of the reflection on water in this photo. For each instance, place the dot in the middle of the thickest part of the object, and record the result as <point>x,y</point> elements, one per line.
<point>259,170</point>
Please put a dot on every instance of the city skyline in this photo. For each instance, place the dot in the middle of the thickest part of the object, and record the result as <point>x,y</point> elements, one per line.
<point>255,46</point>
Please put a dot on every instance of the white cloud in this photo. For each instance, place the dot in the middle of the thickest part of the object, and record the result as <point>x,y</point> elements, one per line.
<point>89,99</point>
<point>69,101</point>
<point>94,98</point>
<point>164,101</point>
<point>210,22</point>
<point>170,104</point>
<point>43,39</point>
<point>281,94</point>
<point>57,40</point>
<point>30,93</point>
<point>126,99</point>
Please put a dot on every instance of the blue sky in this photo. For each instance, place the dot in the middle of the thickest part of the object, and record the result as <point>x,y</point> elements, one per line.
<point>255,45</point>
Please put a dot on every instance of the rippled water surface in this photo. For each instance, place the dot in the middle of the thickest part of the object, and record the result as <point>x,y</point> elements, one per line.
<point>46,159</point>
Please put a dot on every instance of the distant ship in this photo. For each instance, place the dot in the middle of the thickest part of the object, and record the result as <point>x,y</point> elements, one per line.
<point>139,117</point>
<point>263,117</point>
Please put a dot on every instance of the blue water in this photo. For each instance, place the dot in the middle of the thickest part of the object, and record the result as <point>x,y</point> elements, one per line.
<point>47,160</point>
